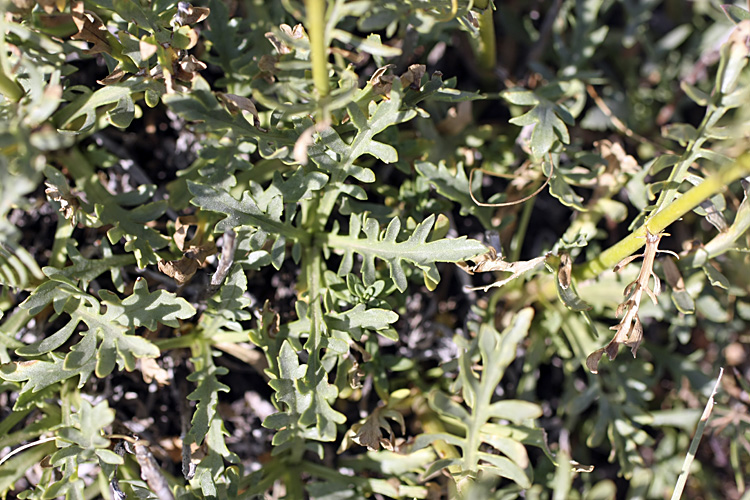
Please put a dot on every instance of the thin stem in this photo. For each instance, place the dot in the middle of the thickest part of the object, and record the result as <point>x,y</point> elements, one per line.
<point>26,446</point>
<point>315,11</point>
<point>670,213</point>
<point>677,175</point>
<point>685,472</point>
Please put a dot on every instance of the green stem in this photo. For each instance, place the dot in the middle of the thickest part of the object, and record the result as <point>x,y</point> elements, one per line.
<point>670,213</point>
<point>486,51</point>
<point>713,114</point>
<point>315,11</point>
<point>62,234</point>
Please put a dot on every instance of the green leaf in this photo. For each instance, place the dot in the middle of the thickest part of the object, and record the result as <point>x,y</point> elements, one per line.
<point>455,187</point>
<point>306,396</point>
<point>480,422</point>
<point>109,338</point>
<point>207,395</point>
<point>86,270</point>
<point>548,119</point>
<point>416,250</point>
<point>735,14</point>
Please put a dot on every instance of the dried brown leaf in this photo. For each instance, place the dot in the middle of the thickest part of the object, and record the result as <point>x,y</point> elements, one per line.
<point>188,67</point>
<point>413,76</point>
<point>152,372</point>
<point>240,104</point>
<point>67,200</point>
<point>564,272</point>
<point>181,270</point>
<point>369,433</point>
<point>194,15</point>
<point>113,77</point>
<point>91,29</point>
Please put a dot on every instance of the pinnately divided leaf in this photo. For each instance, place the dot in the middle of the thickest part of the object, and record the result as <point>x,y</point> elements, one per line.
<point>109,339</point>
<point>416,250</point>
<point>548,119</point>
<point>481,419</point>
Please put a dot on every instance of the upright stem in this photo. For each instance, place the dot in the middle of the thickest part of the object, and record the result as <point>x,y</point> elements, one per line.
<point>315,12</point>
<point>486,52</point>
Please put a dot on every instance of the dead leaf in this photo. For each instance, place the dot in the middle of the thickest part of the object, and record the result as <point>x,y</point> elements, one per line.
<point>181,270</point>
<point>200,253</point>
<point>114,77</point>
<point>564,271</point>
<point>152,372</point>
<point>280,46</point>
<point>270,321</point>
<point>188,14</point>
<point>382,83</point>
<point>369,433</point>
<point>182,226</point>
<point>238,104</point>
<point>298,32</point>
<point>630,329</point>
<point>412,77</point>
<point>491,262</point>
<point>91,29</point>
<point>188,67</point>
<point>50,6</point>
<point>67,200</point>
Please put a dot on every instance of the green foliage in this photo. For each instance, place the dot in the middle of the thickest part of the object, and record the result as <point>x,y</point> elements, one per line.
<point>229,236</point>
<point>482,423</point>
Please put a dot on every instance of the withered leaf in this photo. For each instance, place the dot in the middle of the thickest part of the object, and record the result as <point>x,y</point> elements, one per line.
<point>630,330</point>
<point>370,432</point>
<point>188,14</point>
<point>50,6</point>
<point>182,226</point>
<point>564,271</point>
<point>67,200</point>
<point>199,253</point>
<point>239,104</point>
<point>91,29</point>
<point>113,77</point>
<point>491,262</point>
<point>413,76</point>
<point>152,372</point>
<point>181,270</point>
<point>188,67</point>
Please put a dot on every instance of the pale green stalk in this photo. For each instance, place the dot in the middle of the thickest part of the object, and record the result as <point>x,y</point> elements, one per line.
<point>486,51</point>
<point>315,12</point>
<point>661,220</point>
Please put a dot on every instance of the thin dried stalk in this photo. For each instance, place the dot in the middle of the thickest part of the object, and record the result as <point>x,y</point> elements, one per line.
<point>630,330</point>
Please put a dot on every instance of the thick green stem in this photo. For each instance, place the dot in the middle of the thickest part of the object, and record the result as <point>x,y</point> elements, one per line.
<point>670,213</point>
<point>486,52</point>
<point>315,12</point>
